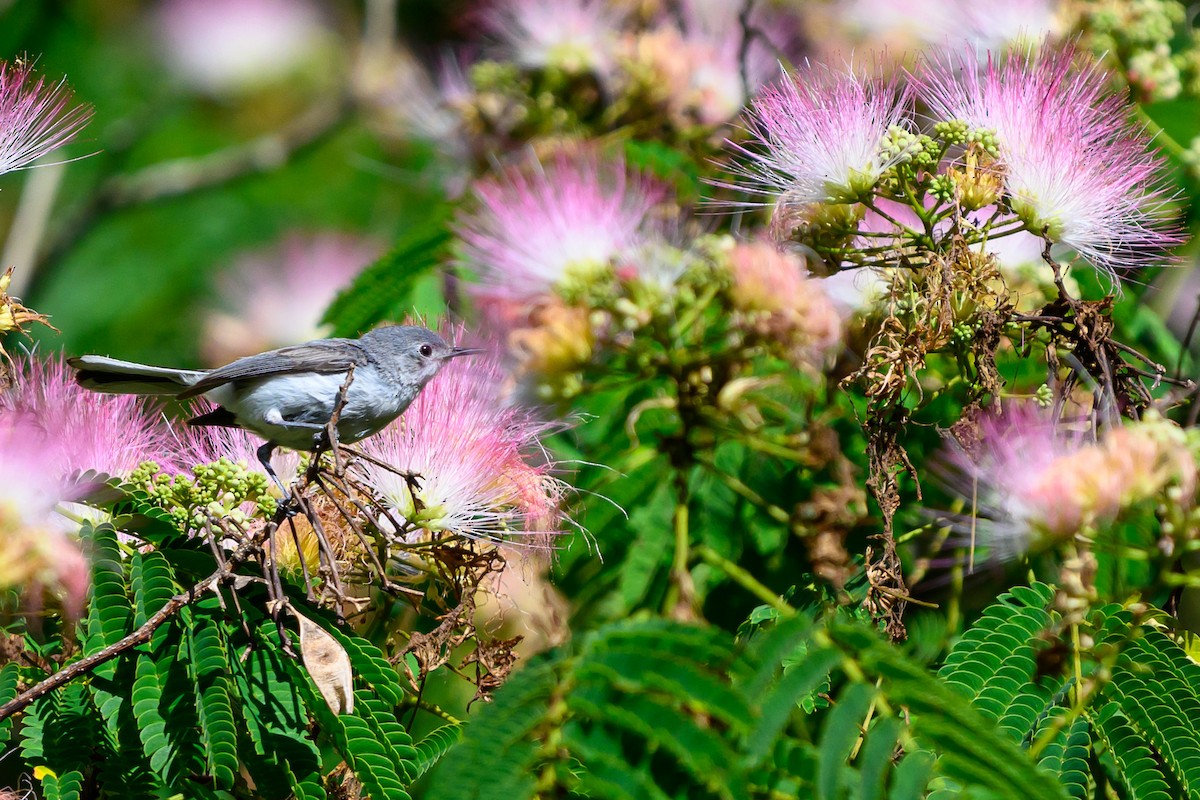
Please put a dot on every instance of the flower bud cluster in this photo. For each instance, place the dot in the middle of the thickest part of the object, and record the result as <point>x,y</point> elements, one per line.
<point>220,490</point>
<point>1151,41</point>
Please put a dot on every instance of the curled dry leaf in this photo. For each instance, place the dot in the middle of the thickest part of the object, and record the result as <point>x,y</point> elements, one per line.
<point>328,664</point>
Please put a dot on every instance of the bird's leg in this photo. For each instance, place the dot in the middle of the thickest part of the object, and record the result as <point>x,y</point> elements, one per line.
<point>264,458</point>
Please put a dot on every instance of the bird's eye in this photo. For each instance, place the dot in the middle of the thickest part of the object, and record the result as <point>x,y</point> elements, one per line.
<point>426,350</point>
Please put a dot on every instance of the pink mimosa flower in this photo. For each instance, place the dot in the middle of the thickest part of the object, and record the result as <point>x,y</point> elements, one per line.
<point>1074,166</point>
<point>573,35</point>
<point>34,547</point>
<point>1017,481</point>
<point>1030,481</point>
<point>79,429</point>
<point>706,63</point>
<point>816,135</point>
<point>36,118</point>
<point>534,225</point>
<point>773,290</point>
<point>482,471</point>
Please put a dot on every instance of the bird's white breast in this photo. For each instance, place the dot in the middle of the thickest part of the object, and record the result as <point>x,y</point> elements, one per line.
<point>371,403</point>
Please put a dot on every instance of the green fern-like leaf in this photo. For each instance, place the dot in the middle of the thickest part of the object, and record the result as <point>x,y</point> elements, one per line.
<point>611,775</point>
<point>383,291</point>
<point>9,676</point>
<point>369,758</point>
<point>1140,771</point>
<point>707,758</point>
<point>61,731</point>
<point>214,702</point>
<point>841,730</point>
<point>877,757</point>
<point>499,752</point>
<point>1159,722</point>
<point>912,776</point>
<point>994,663</point>
<point>1067,756</point>
<point>650,521</point>
<point>775,711</point>
<point>373,743</point>
<point>970,749</point>
<point>433,747</point>
<point>68,786</point>
<point>632,668</point>
<point>270,700</point>
<point>152,582</point>
<point>381,717</point>
<point>159,740</point>
<point>110,614</point>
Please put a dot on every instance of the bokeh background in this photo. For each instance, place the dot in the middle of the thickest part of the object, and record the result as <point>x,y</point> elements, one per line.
<point>223,131</point>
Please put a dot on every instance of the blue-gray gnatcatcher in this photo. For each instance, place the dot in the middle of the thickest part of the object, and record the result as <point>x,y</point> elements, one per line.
<point>287,396</point>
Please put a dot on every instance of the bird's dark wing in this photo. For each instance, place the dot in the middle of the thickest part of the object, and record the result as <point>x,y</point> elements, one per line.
<point>325,356</point>
<point>220,417</point>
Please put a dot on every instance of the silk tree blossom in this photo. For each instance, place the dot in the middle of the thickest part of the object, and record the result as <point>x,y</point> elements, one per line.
<point>277,295</point>
<point>36,117</point>
<point>772,290</point>
<point>1073,164</point>
<point>1030,482</point>
<point>905,25</point>
<point>81,430</point>
<point>1021,480</point>
<point>703,61</point>
<point>816,136</point>
<point>34,547</point>
<point>225,46</point>
<point>573,35</point>
<point>482,472</point>
<point>534,227</point>
<point>51,429</point>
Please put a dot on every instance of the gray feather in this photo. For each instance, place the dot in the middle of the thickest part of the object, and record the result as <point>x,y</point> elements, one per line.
<point>114,376</point>
<point>323,357</point>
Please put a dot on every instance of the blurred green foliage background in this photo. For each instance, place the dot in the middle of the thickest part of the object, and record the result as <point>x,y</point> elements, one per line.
<point>132,278</point>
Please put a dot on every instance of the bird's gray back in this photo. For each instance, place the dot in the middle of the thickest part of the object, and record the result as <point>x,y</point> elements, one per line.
<point>323,357</point>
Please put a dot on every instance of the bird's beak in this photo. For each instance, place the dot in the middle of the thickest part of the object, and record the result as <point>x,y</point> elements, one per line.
<point>465,351</point>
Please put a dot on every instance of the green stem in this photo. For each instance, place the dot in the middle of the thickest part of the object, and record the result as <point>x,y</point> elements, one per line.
<point>687,320</point>
<point>775,512</point>
<point>431,708</point>
<point>744,579</point>
<point>679,564</point>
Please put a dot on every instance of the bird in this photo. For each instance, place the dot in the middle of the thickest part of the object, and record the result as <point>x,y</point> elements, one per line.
<point>287,396</point>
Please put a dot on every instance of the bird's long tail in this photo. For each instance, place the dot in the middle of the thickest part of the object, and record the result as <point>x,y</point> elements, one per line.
<point>103,374</point>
